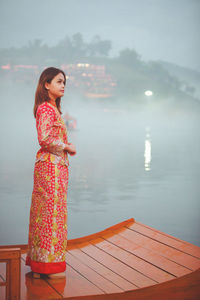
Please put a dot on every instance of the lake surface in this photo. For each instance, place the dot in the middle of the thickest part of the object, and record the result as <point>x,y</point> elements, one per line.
<point>132,161</point>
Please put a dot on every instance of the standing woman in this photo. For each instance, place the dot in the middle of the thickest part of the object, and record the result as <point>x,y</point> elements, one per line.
<point>47,241</point>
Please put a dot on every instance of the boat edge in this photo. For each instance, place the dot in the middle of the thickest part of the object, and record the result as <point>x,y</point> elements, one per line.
<point>72,243</point>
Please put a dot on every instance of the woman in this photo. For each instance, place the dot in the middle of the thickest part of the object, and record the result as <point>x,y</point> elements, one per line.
<point>48,214</point>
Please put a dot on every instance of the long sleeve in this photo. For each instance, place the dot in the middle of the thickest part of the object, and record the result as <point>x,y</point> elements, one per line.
<point>48,132</point>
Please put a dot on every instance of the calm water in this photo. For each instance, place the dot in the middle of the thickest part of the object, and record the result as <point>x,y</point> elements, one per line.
<point>140,162</point>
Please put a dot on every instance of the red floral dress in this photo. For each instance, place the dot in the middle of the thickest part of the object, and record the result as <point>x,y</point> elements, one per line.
<point>48,213</point>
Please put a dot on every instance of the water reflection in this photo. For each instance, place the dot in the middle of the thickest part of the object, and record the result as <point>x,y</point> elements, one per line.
<point>147,150</point>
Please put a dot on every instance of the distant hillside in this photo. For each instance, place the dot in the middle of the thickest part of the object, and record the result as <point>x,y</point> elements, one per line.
<point>189,76</point>
<point>127,75</point>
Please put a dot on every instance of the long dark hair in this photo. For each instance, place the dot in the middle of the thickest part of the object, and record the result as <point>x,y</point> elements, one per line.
<point>41,94</point>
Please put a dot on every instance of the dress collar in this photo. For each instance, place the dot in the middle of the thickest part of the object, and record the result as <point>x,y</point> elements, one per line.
<point>54,107</point>
<point>51,104</point>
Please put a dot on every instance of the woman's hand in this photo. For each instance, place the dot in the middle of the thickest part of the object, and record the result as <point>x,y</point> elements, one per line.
<point>70,148</point>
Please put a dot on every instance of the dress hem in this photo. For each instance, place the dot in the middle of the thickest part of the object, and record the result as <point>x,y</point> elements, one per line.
<point>45,268</point>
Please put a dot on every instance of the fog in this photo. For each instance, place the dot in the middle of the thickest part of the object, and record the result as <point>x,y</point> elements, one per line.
<point>164,30</point>
<point>140,161</point>
<point>137,155</point>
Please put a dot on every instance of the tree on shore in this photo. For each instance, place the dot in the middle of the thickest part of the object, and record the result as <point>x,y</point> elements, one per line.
<point>132,74</point>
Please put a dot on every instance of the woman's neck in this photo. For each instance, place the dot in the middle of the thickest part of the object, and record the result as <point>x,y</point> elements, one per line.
<point>53,102</point>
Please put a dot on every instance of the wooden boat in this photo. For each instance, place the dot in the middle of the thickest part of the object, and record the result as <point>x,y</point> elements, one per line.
<point>126,261</point>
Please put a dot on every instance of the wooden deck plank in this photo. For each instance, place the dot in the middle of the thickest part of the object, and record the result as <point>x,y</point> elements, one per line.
<point>149,256</point>
<point>164,233</point>
<point>128,256</point>
<point>177,256</point>
<point>37,289</point>
<point>74,285</point>
<point>167,240</point>
<point>102,270</point>
<point>117,266</point>
<point>138,264</point>
<point>102,283</point>
<point>186,287</point>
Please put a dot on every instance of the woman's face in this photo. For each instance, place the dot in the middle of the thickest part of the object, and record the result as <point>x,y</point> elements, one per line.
<point>56,88</point>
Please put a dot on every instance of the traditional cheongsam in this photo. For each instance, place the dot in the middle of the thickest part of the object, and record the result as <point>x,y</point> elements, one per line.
<point>48,213</point>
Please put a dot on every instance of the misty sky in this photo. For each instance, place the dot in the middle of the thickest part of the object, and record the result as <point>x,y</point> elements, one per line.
<point>157,29</point>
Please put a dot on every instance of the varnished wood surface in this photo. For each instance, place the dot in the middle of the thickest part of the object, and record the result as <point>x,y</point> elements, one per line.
<point>10,270</point>
<point>128,259</point>
<point>183,288</point>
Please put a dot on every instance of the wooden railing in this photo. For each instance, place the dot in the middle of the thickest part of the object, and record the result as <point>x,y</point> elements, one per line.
<point>12,274</point>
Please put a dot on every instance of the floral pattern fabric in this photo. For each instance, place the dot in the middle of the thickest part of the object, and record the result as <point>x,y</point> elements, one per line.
<point>52,135</point>
<point>48,213</point>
